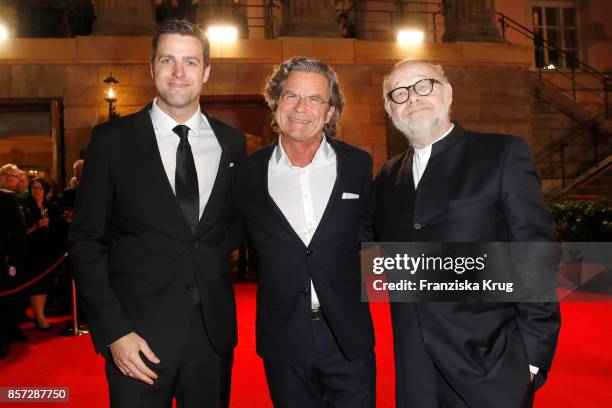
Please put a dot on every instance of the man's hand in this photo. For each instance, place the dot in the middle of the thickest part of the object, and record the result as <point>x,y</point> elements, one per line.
<point>12,271</point>
<point>125,352</point>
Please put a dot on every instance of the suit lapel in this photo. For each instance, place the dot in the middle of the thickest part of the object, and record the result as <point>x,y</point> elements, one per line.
<point>220,178</point>
<point>144,135</point>
<point>405,172</point>
<point>336,190</point>
<point>263,172</point>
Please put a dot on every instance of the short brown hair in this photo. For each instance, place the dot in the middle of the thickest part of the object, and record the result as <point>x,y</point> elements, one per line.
<point>181,27</point>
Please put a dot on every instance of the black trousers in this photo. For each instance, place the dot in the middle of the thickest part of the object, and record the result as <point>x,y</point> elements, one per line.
<point>420,384</point>
<point>329,379</point>
<point>199,377</point>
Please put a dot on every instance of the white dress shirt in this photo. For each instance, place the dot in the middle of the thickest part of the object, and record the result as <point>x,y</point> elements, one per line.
<point>204,146</point>
<point>302,193</point>
<point>421,158</point>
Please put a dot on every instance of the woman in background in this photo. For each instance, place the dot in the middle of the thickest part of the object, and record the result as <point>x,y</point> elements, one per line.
<point>41,246</point>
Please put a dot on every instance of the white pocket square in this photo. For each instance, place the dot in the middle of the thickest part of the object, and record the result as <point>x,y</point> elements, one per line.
<point>231,164</point>
<point>349,196</point>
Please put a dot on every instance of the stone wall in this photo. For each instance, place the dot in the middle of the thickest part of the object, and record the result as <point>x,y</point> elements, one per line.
<point>489,81</point>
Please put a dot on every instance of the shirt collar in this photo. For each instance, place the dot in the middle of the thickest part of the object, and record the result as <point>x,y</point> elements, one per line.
<point>427,149</point>
<point>163,122</point>
<point>324,152</point>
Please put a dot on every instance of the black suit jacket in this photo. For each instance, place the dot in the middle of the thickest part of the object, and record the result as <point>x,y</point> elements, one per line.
<point>285,265</point>
<point>12,239</point>
<point>476,188</point>
<point>134,256</point>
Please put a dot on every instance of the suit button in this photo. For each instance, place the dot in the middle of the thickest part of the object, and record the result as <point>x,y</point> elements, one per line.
<point>189,286</point>
<point>417,226</point>
<point>308,251</point>
<point>196,244</point>
<point>305,291</point>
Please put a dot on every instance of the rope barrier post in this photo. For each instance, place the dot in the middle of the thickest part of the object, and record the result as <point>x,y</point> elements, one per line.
<point>74,330</point>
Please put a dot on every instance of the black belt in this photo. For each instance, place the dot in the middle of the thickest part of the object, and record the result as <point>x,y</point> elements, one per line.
<point>317,314</point>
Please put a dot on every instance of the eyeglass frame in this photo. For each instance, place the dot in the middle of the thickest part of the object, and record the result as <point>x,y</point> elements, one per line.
<point>308,100</point>
<point>432,81</point>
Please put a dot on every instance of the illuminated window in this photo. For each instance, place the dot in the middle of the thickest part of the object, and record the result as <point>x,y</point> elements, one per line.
<point>556,27</point>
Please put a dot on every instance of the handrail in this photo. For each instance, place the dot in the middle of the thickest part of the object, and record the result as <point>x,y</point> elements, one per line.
<point>600,148</point>
<point>539,42</point>
<point>562,190</point>
<point>583,126</point>
<point>503,19</point>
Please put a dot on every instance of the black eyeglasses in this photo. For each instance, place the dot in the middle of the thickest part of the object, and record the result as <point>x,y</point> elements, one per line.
<point>401,94</point>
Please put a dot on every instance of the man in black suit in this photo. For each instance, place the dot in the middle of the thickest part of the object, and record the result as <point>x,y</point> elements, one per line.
<point>65,203</point>
<point>454,185</point>
<point>12,252</point>
<point>66,200</point>
<point>303,199</point>
<point>149,247</point>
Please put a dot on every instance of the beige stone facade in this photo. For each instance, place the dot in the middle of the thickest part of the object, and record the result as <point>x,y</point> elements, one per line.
<point>489,80</point>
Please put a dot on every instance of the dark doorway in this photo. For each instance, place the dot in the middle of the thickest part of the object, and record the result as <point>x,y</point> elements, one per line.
<point>31,136</point>
<point>247,112</point>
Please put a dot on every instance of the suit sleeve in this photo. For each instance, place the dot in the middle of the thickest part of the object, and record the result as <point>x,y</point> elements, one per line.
<point>17,233</point>
<point>236,234</point>
<point>88,242</point>
<point>366,224</point>
<point>529,220</point>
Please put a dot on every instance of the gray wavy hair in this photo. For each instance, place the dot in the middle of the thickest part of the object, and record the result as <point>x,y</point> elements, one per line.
<point>276,83</point>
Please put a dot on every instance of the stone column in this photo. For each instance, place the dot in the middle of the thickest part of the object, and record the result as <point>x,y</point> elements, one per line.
<point>124,17</point>
<point>471,20</point>
<point>309,18</point>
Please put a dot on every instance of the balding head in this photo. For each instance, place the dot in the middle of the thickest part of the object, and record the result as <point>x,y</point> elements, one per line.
<point>422,115</point>
<point>77,167</point>
<point>9,177</point>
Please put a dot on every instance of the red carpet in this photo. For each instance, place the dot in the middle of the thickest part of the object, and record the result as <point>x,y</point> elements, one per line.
<point>581,376</point>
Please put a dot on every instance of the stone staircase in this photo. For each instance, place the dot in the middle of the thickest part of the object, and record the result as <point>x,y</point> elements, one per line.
<point>598,187</point>
<point>593,184</point>
<point>586,89</point>
<point>570,141</point>
<point>571,123</point>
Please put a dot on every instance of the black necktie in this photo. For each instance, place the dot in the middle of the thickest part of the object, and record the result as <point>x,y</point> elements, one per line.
<point>186,179</point>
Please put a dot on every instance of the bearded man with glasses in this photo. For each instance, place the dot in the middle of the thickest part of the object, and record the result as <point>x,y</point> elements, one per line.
<point>303,200</point>
<point>455,185</point>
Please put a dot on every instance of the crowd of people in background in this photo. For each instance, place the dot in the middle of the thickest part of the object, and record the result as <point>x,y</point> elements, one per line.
<point>35,219</point>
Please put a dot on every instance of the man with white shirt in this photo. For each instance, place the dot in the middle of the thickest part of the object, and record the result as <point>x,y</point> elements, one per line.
<point>303,200</point>
<point>149,242</point>
<point>454,185</point>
